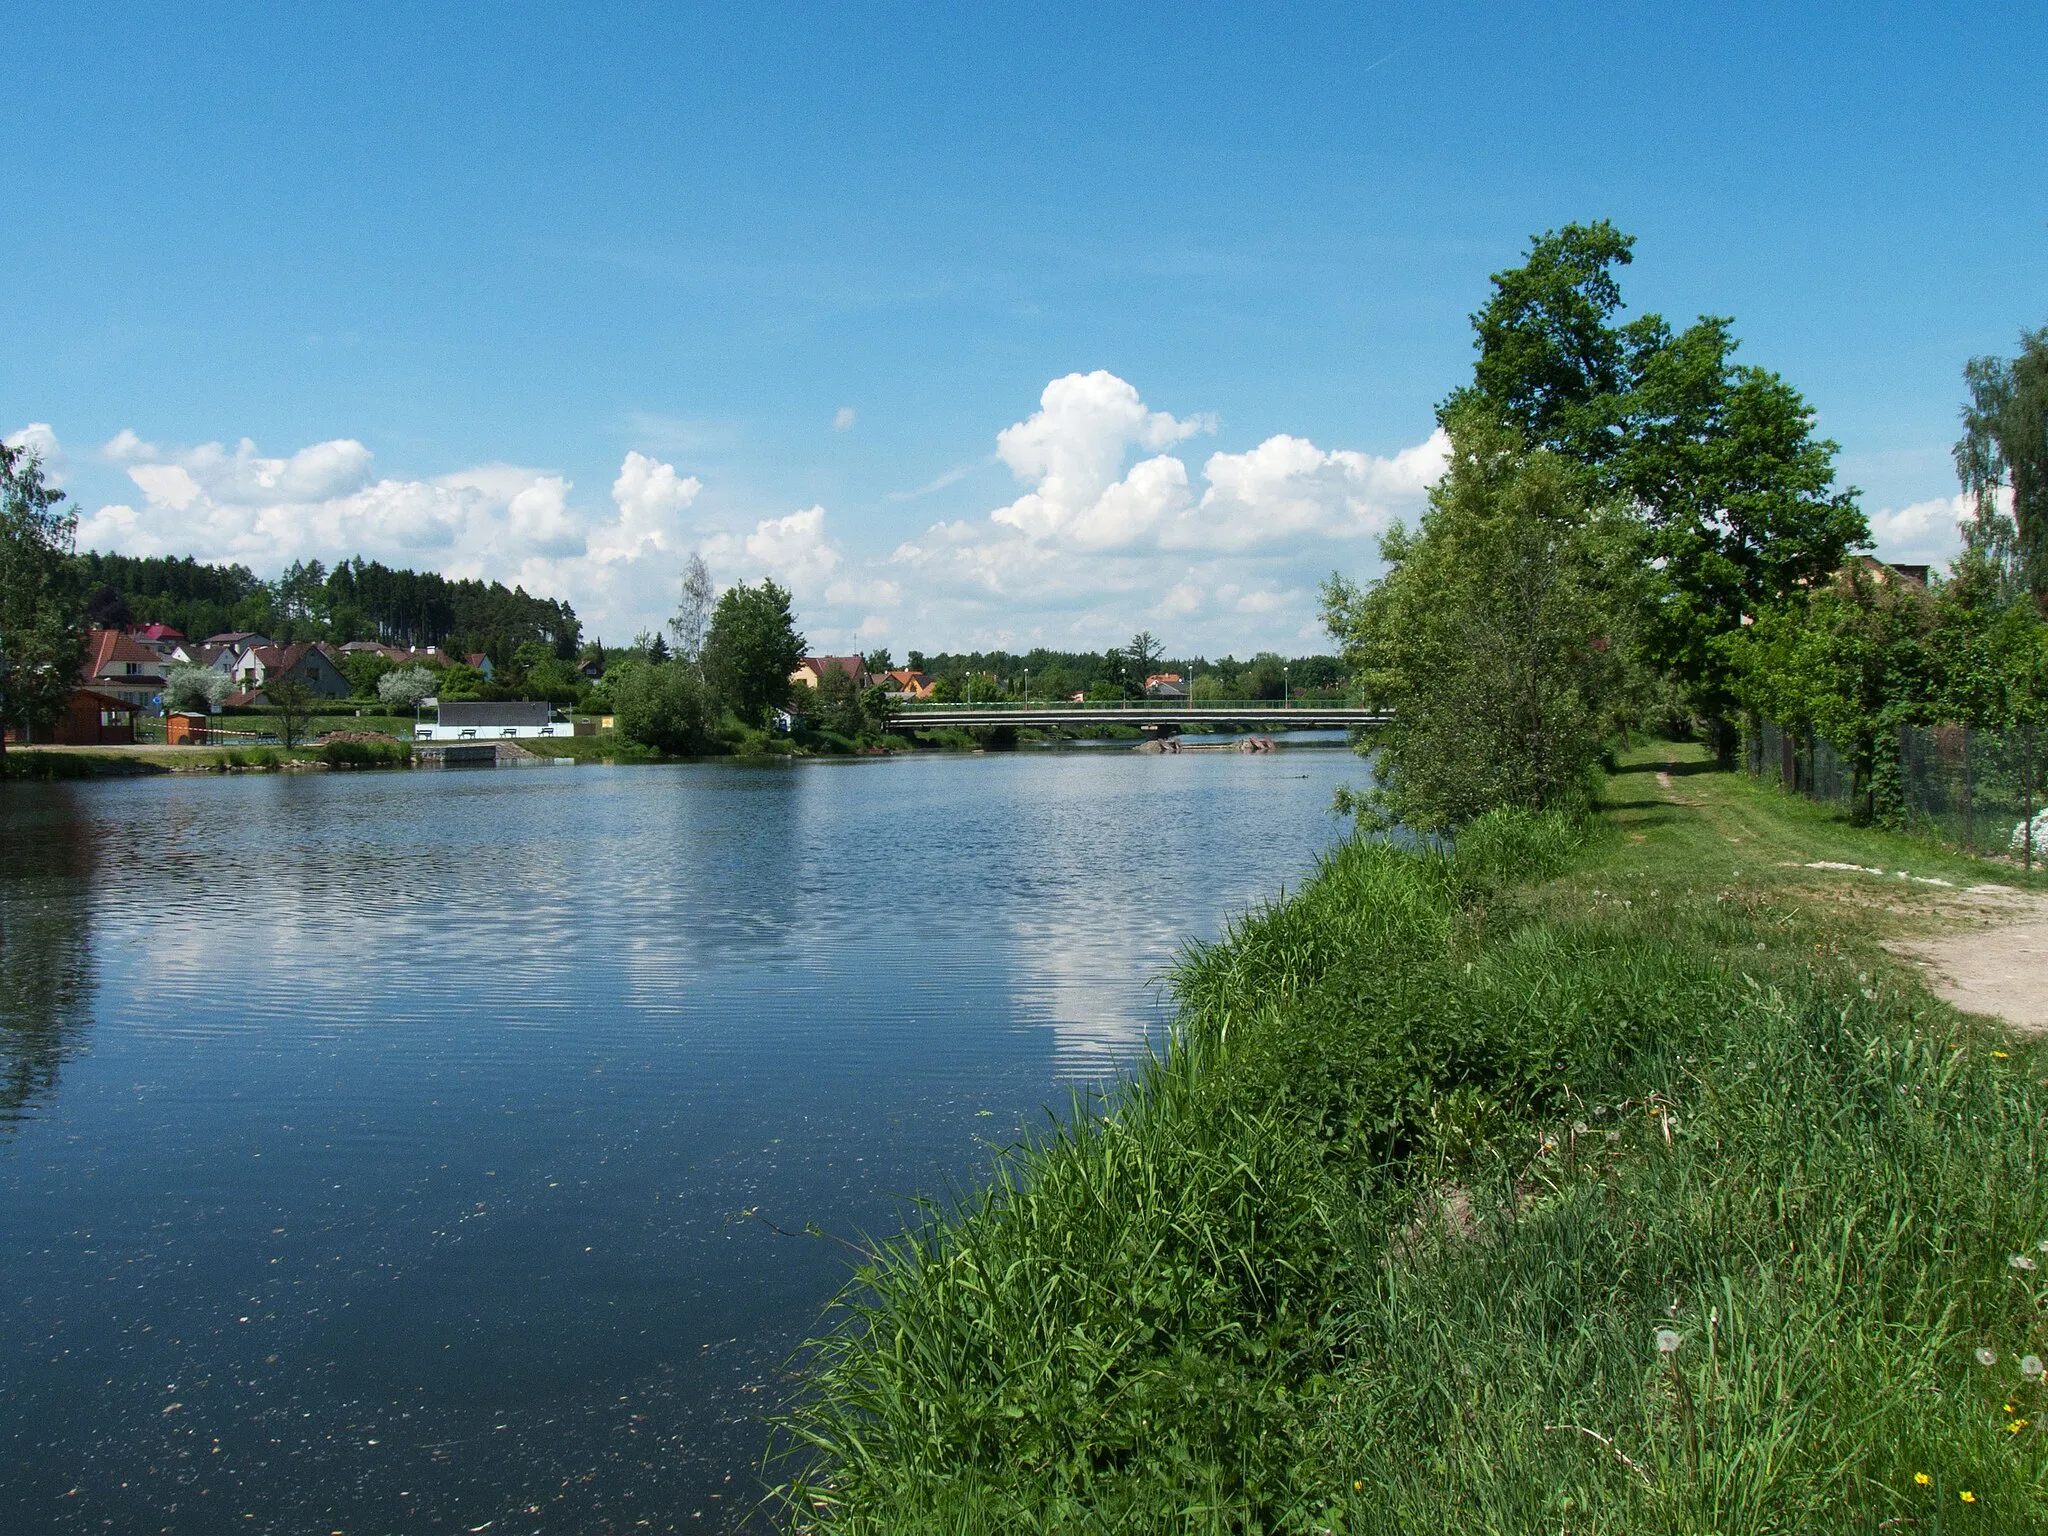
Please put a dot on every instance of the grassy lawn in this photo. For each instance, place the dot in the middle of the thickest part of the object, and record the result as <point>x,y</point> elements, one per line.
<point>1445,1143</point>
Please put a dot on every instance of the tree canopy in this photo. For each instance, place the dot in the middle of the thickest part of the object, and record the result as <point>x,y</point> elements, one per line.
<point>1735,496</point>
<point>751,648</point>
<point>1491,635</point>
<point>41,614</point>
<point>2004,446</point>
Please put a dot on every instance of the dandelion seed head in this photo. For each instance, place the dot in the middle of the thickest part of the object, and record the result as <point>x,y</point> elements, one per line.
<point>2020,1261</point>
<point>2042,1245</point>
<point>1987,1357</point>
<point>1668,1341</point>
<point>2030,1366</point>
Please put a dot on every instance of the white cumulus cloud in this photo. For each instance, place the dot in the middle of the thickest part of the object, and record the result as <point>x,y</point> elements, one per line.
<point>1098,544</point>
<point>40,440</point>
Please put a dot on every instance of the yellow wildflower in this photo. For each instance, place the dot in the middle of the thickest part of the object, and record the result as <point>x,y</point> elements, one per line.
<point>1967,1497</point>
<point>1922,1479</point>
<point>2015,1426</point>
<point>2000,1055</point>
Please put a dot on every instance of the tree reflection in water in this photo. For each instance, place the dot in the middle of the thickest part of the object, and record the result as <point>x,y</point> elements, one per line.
<point>46,861</point>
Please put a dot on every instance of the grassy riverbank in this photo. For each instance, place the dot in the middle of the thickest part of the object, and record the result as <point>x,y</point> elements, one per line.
<point>1386,1241</point>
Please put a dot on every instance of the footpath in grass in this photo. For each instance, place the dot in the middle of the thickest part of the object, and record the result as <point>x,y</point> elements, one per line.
<point>1611,1178</point>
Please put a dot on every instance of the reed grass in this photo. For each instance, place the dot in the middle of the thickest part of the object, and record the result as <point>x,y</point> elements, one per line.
<point>1385,1238</point>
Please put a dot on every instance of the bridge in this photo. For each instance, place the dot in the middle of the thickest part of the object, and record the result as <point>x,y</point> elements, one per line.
<point>1147,714</point>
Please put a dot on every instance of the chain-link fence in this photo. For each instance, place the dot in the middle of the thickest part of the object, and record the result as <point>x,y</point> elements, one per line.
<point>1978,789</point>
<point>1802,762</point>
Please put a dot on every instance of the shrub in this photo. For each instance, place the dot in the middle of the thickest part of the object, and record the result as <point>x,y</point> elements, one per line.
<point>366,754</point>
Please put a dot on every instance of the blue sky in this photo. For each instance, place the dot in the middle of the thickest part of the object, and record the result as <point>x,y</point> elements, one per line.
<point>1037,326</point>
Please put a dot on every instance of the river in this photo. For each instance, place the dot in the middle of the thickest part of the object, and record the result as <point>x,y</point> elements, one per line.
<point>374,1147</point>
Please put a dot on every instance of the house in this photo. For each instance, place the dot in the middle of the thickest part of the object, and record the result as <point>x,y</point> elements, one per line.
<point>479,721</point>
<point>812,671</point>
<point>398,656</point>
<point>119,666</point>
<point>305,662</point>
<point>481,663</point>
<point>1885,573</point>
<point>90,719</point>
<point>221,658</point>
<point>904,684</point>
<point>237,639</point>
<point>167,642</point>
<point>1166,685</point>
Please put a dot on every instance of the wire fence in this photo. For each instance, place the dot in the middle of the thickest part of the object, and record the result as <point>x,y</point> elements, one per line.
<point>1978,789</point>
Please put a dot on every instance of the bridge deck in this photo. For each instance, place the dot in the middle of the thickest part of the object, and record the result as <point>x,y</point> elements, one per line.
<point>1254,714</point>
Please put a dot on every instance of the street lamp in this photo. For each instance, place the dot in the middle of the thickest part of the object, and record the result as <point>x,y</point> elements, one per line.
<point>1286,693</point>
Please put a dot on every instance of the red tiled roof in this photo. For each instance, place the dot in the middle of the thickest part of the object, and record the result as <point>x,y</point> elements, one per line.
<point>109,648</point>
<point>853,666</point>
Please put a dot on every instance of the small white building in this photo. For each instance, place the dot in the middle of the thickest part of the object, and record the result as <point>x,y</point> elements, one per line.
<point>517,721</point>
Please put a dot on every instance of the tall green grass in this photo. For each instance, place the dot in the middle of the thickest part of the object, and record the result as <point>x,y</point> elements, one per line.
<point>1384,1239</point>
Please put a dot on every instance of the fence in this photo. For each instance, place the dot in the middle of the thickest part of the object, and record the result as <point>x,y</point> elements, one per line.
<point>1978,789</point>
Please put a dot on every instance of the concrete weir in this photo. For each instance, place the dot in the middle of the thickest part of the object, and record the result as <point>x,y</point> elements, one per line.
<point>480,754</point>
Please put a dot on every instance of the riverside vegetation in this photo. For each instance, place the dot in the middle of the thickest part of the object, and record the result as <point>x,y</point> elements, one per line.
<point>1589,1166</point>
<point>1600,1175</point>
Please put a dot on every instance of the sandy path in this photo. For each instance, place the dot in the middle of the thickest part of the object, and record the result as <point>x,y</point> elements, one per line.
<point>2002,971</point>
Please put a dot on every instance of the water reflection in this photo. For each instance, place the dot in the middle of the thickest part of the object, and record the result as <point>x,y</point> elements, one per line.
<point>397,1190</point>
<point>46,976</point>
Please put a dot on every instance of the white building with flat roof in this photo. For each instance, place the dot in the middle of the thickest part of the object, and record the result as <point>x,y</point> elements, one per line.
<point>515,721</point>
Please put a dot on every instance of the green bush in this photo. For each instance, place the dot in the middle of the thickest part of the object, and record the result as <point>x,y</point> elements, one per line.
<point>366,754</point>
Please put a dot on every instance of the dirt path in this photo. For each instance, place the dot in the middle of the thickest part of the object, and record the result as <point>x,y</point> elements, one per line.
<point>1980,945</point>
<point>2002,971</point>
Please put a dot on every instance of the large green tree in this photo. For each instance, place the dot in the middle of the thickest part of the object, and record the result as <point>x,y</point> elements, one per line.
<point>752,647</point>
<point>2005,446</point>
<point>1734,495</point>
<point>1737,496</point>
<point>42,639</point>
<point>1491,635</point>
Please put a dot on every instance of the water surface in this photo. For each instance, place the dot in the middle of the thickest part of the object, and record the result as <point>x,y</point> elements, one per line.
<point>373,1146</point>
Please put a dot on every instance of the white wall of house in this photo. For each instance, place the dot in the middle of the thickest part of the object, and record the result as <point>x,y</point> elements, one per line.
<point>493,732</point>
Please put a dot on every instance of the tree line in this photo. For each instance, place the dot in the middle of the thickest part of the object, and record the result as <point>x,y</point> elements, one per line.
<point>1634,529</point>
<point>357,600</point>
<point>1116,673</point>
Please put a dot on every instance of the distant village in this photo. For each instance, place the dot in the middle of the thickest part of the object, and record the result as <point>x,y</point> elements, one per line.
<point>126,672</point>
